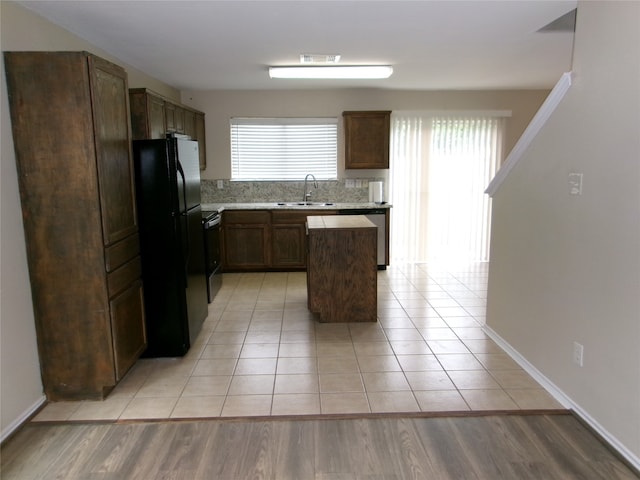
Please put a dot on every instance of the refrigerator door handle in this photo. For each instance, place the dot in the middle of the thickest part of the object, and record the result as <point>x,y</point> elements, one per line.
<point>185,220</point>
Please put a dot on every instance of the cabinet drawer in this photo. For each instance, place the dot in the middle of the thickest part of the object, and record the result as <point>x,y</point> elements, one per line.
<point>246,216</point>
<point>297,216</point>
<point>119,253</point>
<point>122,277</point>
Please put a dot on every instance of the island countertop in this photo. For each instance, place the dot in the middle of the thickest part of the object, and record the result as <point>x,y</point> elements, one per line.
<point>338,222</point>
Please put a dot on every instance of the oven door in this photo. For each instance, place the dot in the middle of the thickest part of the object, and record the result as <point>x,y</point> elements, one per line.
<point>212,255</point>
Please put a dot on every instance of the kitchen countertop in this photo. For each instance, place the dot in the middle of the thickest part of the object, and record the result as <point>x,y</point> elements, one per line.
<point>211,207</point>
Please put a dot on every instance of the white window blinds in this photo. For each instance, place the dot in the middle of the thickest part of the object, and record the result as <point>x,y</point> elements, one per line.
<point>284,148</point>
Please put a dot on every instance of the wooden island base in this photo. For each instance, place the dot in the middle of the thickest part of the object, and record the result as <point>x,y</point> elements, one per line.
<point>342,274</point>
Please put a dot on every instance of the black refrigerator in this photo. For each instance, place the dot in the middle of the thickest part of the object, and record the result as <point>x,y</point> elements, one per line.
<point>167,176</point>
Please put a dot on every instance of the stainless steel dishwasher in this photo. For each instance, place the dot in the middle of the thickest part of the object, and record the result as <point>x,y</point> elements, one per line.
<point>378,216</point>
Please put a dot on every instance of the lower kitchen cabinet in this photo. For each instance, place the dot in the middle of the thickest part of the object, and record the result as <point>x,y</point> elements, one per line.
<point>266,239</point>
<point>246,239</point>
<point>289,238</point>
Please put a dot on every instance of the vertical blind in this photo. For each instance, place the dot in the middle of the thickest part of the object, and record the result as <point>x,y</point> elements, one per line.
<point>284,148</point>
<point>441,165</point>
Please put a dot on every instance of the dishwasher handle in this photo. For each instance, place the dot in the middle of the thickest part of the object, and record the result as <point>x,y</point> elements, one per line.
<point>363,211</point>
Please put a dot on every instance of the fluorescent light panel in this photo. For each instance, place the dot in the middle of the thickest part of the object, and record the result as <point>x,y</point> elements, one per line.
<point>354,71</point>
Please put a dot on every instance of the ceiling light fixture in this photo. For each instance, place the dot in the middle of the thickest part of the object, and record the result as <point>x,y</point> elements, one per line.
<point>325,72</point>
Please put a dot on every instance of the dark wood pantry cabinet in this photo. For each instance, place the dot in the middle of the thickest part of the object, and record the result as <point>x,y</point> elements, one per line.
<point>71,130</point>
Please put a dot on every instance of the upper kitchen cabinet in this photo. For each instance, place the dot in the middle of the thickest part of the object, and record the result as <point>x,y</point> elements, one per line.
<point>199,136</point>
<point>189,122</point>
<point>147,115</point>
<point>153,116</point>
<point>366,139</point>
<point>70,119</point>
<point>174,116</point>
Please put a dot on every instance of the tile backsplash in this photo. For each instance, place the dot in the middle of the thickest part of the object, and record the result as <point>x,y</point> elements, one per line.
<point>246,192</point>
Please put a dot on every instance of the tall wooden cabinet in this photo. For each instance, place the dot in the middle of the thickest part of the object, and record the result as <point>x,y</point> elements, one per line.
<point>71,130</point>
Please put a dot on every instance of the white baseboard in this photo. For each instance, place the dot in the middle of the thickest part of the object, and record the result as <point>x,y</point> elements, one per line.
<point>564,400</point>
<point>13,426</point>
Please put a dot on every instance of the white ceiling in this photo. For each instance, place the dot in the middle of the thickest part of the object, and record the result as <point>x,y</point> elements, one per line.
<point>432,45</point>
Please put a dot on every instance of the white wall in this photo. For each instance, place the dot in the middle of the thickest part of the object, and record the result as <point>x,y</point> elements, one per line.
<point>566,268</point>
<point>220,106</point>
<point>20,384</point>
<point>20,387</point>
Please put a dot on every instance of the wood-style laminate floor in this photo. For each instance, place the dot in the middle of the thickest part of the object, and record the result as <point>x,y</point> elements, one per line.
<point>492,447</point>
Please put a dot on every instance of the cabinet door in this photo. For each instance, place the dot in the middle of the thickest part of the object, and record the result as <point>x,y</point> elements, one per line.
<point>157,127</point>
<point>245,246</point>
<point>170,116</point>
<point>289,237</point>
<point>246,239</point>
<point>127,320</point>
<point>179,119</point>
<point>366,139</point>
<point>147,115</point>
<point>288,245</point>
<point>190,123</point>
<point>202,144</point>
<point>110,100</point>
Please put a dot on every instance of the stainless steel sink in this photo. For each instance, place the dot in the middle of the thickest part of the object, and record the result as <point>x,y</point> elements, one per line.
<point>304,204</point>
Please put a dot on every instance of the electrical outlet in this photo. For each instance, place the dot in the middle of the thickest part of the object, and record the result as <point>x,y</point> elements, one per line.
<point>578,353</point>
<point>349,183</point>
<point>220,184</point>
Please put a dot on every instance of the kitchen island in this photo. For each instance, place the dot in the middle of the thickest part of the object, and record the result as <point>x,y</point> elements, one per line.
<point>342,277</point>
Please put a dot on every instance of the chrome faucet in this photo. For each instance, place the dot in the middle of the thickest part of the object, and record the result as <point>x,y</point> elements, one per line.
<point>306,194</point>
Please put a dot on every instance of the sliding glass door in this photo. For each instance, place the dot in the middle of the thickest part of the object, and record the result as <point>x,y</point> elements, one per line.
<point>440,166</point>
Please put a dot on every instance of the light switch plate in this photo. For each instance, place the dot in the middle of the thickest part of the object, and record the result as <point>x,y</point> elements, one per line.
<point>575,184</point>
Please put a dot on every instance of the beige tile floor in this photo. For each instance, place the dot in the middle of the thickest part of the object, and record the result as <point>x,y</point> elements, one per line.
<point>261,352</point>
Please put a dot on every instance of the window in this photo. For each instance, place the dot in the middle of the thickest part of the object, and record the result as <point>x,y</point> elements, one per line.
<point>284,148</point>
